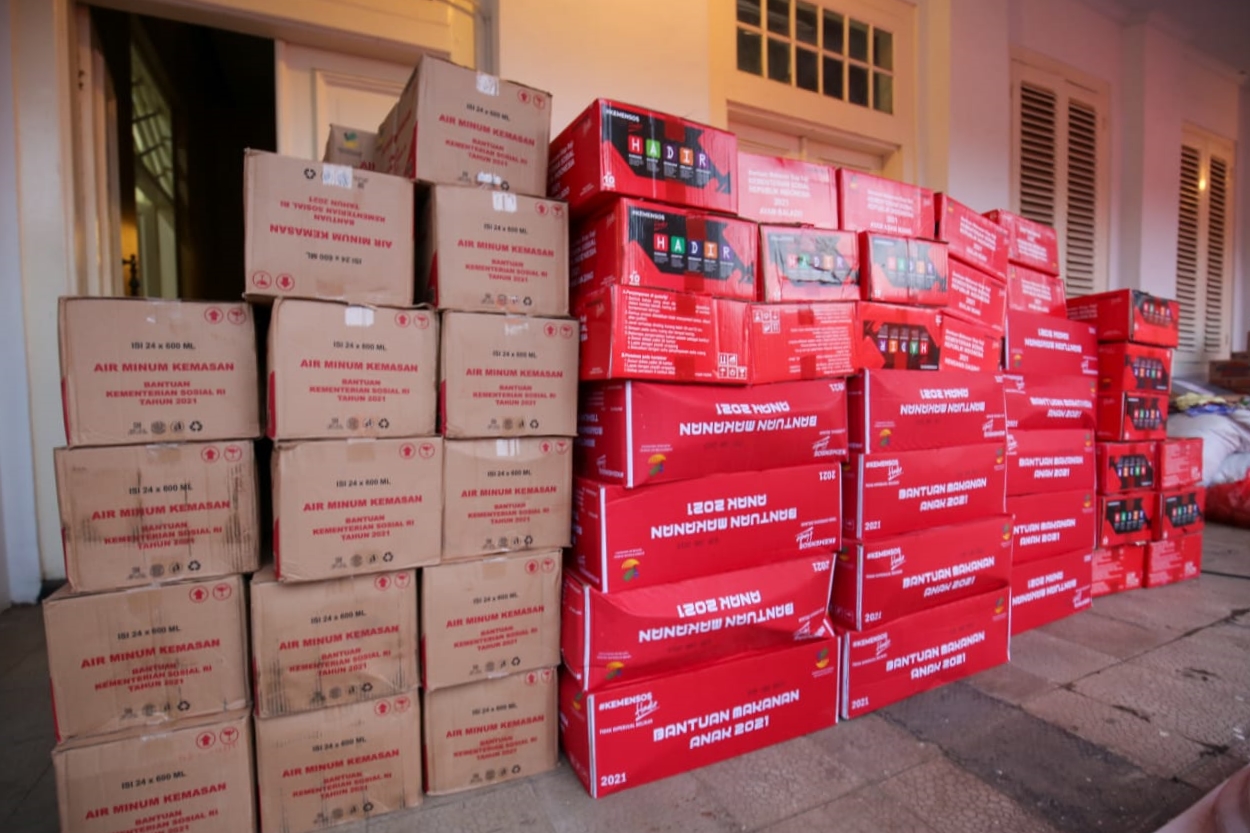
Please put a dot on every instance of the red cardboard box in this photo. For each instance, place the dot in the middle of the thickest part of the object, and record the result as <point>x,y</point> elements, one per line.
<point>625,538</point>
<point>897,410</point>
<point>898,338</point>
<point>616,639</point>
<point>1050,461</point>
<point>1052,523</point>
<point>970,347</point>
<point>635,243</point>
<point>1126,467</point>
<point>1134,368</point>
<point>789,342</point>
<point>1118,569</point>
<point>1127,518</point>
<point>1043,345</point>
<point>924,650</point>
<point>1180,463</point>
<point>873,203</point>
<point>977,296</point>
<point>1050,589</point>
<point>631,333</point>
<point>1031,291</point>
<point>614,148</point>
<point>880,581</point>
<point>808,264</point>
<point>974,239</point>
<point>636,433</point>
<point>1181,512</point>
<point>773,189</point>
<point>641,732</point>
<point>1050,402</point>
<point>1129,315</point>
<point>902,270</point>
<point>1132,417</point>
<point>1173,560</point>
<point>1028,243</point>
<point>891,494</point>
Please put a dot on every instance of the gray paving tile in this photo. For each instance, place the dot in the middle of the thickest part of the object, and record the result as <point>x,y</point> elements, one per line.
<point>1224,550</point>
<point>681,804</point>
<point>1213,770</point>
<point>1181,607</point>
<point>1109,635</point>
<point>778,782</point>
<point>490,810</point>
<point>1011,683</point>
<point>954,717</point>
<point>873,748</point>
<point>1055,659</point>
<point>36,812</point>
<point>1156,750</point>
<point>952,800</point>
<point>867,810</point>
<point>1220,651</point>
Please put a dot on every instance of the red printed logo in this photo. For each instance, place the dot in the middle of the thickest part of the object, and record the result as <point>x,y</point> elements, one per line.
<point>635,144</point>
<point>546,675</point>
<point>402,319</point>
<point>214,315</point>
<point>531,678</point>
<point>426,451</point>
<point>233,453</point>
<point>402,580</point>
<point>205,740</point>
<point>262,280</point>
<point>229,736</point>
<point>540,101</point>
<point>421,321</point>
<point>407,451</point>
<point>382,582</point>
<point>286,283</point>
<point>222,592</point>
<point>210,454</point>
<point>198,595</point>
<point>237,315</point>
<point>557,210</point>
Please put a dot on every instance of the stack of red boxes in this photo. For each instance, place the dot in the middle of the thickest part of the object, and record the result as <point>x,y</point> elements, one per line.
<point>921,587</point>
<point>1151,504</point>
<point>706,508</point>
<point>1051,367</point>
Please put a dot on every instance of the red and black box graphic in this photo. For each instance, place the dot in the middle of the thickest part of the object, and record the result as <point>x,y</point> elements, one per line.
<point>1126,467</point>
<point>808,264</point>
<point>1130,417</point>
<point>903,270</point>
<point>1126,519</point>
<point>1180,512</point>
<point>895,337</point>
<point>1129,315</point>
<point>1124,367</point>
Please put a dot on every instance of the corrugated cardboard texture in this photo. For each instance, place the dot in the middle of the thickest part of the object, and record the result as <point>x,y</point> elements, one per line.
<point>147,656</point>
<point>329,643</point>
<point>491,251</point>
<point>504,495</point>
<point>508,376</point>
<point>143,371</point>
<point>455,126</point>
<point>345,507</point>
<point>319,230</point>
<point>337,766</point>
<point>489,732</point>
<point>137,514</point>
<point>489,618</point>
<point>338,371</point>
<point>349,146</point>
<point>194,778</point>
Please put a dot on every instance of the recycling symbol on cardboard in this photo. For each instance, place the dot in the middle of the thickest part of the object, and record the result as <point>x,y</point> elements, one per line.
<point>193,566</point>
<point>184,706</point>
<point>384,423</point>
<point>197,426</point>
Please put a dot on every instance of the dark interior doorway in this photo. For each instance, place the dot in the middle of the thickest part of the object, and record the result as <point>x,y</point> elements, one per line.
<point>189,100</point>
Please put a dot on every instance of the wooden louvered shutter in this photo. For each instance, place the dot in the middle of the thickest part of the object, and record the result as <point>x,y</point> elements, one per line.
<point>1188,240</point>
<point>1217,299</point>
<point>1204,247</point>
<point>1059,170</point>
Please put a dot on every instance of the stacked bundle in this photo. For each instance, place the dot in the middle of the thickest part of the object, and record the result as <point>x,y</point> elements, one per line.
<point>147,645</point>
<point>1152,513</point>
<point>705,515</point>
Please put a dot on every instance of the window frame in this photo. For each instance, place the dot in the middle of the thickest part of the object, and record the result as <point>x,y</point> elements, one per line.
<point>1067,84</point>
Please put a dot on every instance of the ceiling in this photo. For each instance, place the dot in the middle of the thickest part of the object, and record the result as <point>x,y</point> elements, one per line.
<point>1219,28</point>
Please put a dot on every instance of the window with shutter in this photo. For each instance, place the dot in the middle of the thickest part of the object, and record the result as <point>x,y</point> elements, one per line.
<point>1203,247</point>
<point>1060,168</point>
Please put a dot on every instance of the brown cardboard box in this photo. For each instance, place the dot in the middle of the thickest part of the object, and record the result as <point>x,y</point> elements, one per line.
<point>349,146</point>
<point>328,643</point>
<point>492,251</point>
<point>503,495</point>
<point>149,370</point>
<point>489,618</point>
<point>345,507</point>
<point>340,765</point>
<point>338,371</point>
<point>508,376</point>
<point>456,126</point>
<point>192,777</point>
<point>146,656</point>
<point>136,514</point>
<point>492,731</point>
<point>317,230</point>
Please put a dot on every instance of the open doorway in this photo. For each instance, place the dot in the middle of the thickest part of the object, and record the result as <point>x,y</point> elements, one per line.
<point>194,97</point>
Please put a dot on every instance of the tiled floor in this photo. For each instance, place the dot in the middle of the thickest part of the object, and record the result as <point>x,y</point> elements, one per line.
<point>1114,720</point>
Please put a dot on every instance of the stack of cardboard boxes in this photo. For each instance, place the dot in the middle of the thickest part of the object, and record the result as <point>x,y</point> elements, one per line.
<point>493,258</point>
<point>1152,510</point>
<point>921,590</point>
<point>147,644</point>
<point>1051,362</point>
<point>706,509</point>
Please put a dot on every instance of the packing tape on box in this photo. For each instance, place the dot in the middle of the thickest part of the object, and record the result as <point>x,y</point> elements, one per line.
<point>361,450</point>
